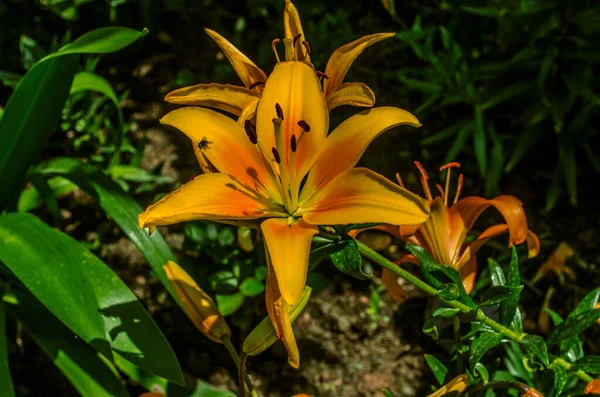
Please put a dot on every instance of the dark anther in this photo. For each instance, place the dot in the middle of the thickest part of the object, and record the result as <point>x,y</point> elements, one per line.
<point>304,125</point>
<point>296,37</point>
<point>250,131</point>
<point>305,44</point>
<point>293,143</point>
<point>279,111</point>
<point>256,84</point>
<point>276,155</point>
<point>321,74</point>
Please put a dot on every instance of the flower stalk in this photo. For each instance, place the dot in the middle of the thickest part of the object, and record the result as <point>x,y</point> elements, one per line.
<point>373,256</point>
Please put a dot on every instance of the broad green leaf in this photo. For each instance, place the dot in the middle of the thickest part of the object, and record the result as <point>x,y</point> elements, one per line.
<point>439,370</point>
<point>87,81</point>
<point>479,140</point>
<point>5,376</point>
<point>88,371</point>
<point>133,333</point>
<point>228,304</point>
<point>348,260</point>
<point>498,294</point>
<point>481,344</point>
<point>130,173</point>
<point>573,326</point>
<point>35,107</point>
<point>41,258</point>
<point>251,287</point>
<point>496,273</point>
<point>30,118</point>
<point>535,344</point>
<point>560,379</point>
<point>509,307</point>
<point>587,303</point>
<point>319,253</point>
<point>31,198</point>
<point>119,206</point>
<point>590,364</point>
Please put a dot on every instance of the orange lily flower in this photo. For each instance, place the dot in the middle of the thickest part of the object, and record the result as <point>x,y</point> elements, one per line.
<point>593,387</point>
<point>557,263</point>
<point>287,175</point>
<point>242,101</point>
<point>444,233</point>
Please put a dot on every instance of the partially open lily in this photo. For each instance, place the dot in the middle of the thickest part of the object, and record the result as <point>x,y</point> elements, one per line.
<point>242,101</point>
<point>445,232</point>
<point>287,175</point>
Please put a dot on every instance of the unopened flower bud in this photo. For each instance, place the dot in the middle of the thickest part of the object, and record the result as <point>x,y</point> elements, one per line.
<point>196,303</point>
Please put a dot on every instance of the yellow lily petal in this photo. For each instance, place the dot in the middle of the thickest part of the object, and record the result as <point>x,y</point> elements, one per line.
<point>229,98</point>
<point>198,305</point>
<point>360,195</point>
<point>346,144</point>
<point>225,145</point>
<point>289,247</point>
<point>279,314</point>
<point>354,94</point>
<point>249,110</point>
<point>435,234</point>
<point>459,384</point>
<point>248,72</point>
<point>293,27</point>
<point>340,61</point>
<point>295,87</point>
<point>208,196</point>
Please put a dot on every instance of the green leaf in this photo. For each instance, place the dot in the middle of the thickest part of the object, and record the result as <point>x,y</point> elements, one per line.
<point>528,138</point>
<point>560,379</point>
<point>445,312</point>
<point>251,287</point>
<point>319,254</point>
<point>348,260</point>
<point>573,326</point>
<point>480,140</point>
<point>482,11</point>
<point>448,292</point>
<point>506,94</point>
<point>41,258</point>
<point>35,106</point>
<point>133,333</point>
<point>535,344</point>
<point>496,273</point>
<point>439,370</point>
<point>31,198</point>
<point>590,364</point>
<point>497,294</point>
<point>387,393</point>
<point>480,370</point>
<point>228,304</point>
<point>445,133</point>
<point>587,303</point>
<point>481,344</point>
<point>509,307</point>
<point>430,329</point>
<point>119,206</point>
<point>90,373</point>
<point>87,81</point>
<point>5,377</point>
<point>554,189</point>
<point>130,173</point>
<point>459,143</point>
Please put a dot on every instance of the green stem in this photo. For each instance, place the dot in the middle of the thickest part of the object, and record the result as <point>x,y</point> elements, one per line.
<point>459,357</point>
<point>241,371</point>
<point>480,316</point>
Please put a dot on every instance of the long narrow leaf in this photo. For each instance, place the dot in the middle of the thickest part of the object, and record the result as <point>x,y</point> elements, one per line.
<point>5,377</point>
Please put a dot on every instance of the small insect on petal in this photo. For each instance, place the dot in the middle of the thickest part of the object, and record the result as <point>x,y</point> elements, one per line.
<point>279,111</point>
<point>276,155</point>
<point>251,131</point>
<point>204,144</point>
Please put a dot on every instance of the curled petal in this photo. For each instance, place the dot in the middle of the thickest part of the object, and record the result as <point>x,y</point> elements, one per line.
<point>248,111</point>
<point>434,235</point>
<point>390,280</point>
<point>533,244</point>
<point>468,252</point>
<point>293,27</point>
<point>346,144</point>
<point>360,195</point>
<point>466,211</point>
<point>340,61</point>
<point>468,273</point>
<point>229,98</point>
<point>208,196</point>
<point>225,145</point>
<point>354,94</point>
<point>289,247</point>
<point>248,72</point>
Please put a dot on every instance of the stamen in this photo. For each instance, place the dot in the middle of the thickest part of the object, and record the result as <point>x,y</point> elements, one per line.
<point>256,84</point>
<point>449,167</point>
<point>399,179</point>
<point>441,190</point>
<point>304,125</point>
<point>305,44</point>
<point>453,164</point>
<point>424,178</point>
<point>321,74</point>
<point>276,155</point>
<point>296,37</point>
<point>251,131</point>
<point>458,188</point>
<point>279,111</point>
<point>293,144</point>
<point>273,44</point>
